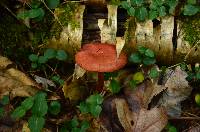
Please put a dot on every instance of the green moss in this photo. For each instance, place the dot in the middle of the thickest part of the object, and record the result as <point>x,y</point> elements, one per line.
<point>66,15</point>
<point>191,29</point>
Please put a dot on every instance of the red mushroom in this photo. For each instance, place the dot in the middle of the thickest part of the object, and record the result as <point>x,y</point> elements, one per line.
<point>100,58</point>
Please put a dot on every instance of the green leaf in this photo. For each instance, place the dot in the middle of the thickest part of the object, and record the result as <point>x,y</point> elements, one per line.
<point>131,11</point>
<point>133,84</point>
<point>40,106</point>
<point>83,107</point>
<point>34,65</point>
<point>76,129</point>
<point>40,17</point>
<point>137,2</point>
<point>172,5</point>
<point>94,99</point>
<point>61,82</point>
<point>153,73</point>
<point>5,100</point>
<point>149,61</point>
<point>56,78</point>
<point>54,107</point>
<point>192,2</point>
<point>35,4</point>
<point>138,77</point>
<point>198,75</point>
<point>135,58</point>
<point>141,13</point>
<point>149,53</point>
<point>108,75</point>
<point>27,103</point>
<point>155,4</point>
<point>1,112</point>
<point>125,5</point>
<point>153,14</point>
<point>18,112</point>
<point>36,123</point>
<point>42,59</point>
<point>141,49</point>
<point>84,125</point>
<point>190,10</point>
<point>74,122</point>
<point>50,53</point>
<point>197,99</point>
<point>162,11</point>
<point>52,4</point>
<point>33,57</point>
<point>114,86</point>
<point>95,110</point>
<point>33,13</point>
<point>61,55</point>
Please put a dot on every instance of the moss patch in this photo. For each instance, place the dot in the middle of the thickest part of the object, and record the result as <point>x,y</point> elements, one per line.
<point>191,29</point>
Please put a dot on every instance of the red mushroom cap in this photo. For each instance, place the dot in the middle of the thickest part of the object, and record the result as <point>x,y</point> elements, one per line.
<point>100,58</point>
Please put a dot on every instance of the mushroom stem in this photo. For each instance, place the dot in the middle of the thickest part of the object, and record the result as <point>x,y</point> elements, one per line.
<point>100,83</point>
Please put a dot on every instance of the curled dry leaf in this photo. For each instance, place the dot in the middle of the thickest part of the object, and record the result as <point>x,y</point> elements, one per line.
<point>45,82</point>
<point>153,120</point>
<point>78,72</point>
<point>74,90</point>
<point>15,82</point>
<point>178,90</point>
<point>4,62</point>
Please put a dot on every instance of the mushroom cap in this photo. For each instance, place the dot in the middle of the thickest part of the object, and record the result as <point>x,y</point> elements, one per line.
<point>100,57</point>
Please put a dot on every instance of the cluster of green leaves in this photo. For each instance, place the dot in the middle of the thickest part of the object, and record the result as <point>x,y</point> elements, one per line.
<point>170,128</point>
<point>75,126</point>
<point>36,11</point>
<point>192,75</point>
<point>39,108</point>
<point>4,101</point>
<point>143,55</point>
<point>92,105</point>
<point>191,8</point>
<point>37,60</point>
<point>58,80</point>
<point>143,10</point>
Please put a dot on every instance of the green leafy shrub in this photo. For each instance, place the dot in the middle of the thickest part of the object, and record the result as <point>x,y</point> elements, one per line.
<point>39,108</point>
<point>143,56</point>
<point>38,61</point>
<point>92,105</point>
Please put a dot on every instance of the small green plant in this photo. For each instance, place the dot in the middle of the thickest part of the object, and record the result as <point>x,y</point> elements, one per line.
<point>38,61</point>
<point>36,11</point>
<point>143,56</point>
<point>4,101</point>
<point>170,128</point>
<point>144,10</point>
<point>58,80</point>
<point>39,108</point>
<point>75,126</point>
<point>191,8</point>
<point>92,105</point>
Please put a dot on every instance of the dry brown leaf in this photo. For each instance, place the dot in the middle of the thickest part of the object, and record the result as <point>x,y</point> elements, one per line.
<point>78,72</point>
<point>15,82</point>
<point>20,76</point>
<point>4,62</point>
<point>153,120</point>
<point>45,82</point>
<point>74,90</point>
<point>178,90</point>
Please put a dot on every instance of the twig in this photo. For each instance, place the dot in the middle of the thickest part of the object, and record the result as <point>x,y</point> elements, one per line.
<point>56,18</point>
<point>184,118</point>
<point>185,58</point>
